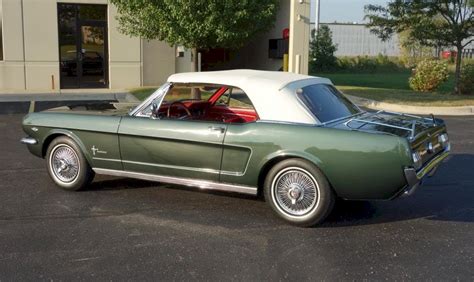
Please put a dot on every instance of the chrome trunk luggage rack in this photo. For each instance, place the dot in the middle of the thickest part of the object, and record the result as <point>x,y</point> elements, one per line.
<point>411,128</point>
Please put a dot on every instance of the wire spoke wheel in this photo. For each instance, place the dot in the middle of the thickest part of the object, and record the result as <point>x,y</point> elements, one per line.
<point>296,191</point>
<point>64,163</point>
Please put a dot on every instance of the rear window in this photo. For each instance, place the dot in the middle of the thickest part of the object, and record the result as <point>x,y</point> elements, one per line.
<point>326,102</point>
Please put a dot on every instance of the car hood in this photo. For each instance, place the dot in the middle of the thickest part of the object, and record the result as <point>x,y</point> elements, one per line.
<point>95,108</point>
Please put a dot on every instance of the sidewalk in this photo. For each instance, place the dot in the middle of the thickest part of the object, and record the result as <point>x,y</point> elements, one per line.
<point>69,95</point>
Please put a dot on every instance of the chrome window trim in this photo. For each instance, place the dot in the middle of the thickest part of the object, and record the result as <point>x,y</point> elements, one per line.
<point>160,91</point>
<point>203,184</point>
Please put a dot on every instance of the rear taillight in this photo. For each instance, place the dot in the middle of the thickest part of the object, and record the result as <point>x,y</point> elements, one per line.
<point>417,162</point>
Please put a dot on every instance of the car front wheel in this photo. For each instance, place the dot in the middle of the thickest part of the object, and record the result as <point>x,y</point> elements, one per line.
<point>299,192</point>
<point>67,165</point>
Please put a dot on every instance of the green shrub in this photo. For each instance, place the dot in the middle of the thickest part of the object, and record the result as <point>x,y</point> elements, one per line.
<point>428,75</point>
<point>368,64</point>
<point>466,85</point>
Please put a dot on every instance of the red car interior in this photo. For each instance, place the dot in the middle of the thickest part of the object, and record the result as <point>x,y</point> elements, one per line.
<point>208,110</point>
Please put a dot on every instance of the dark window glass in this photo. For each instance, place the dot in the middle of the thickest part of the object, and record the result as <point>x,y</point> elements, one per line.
<point>326,102</point>
<point>1,32</point>
<point>93,12</point>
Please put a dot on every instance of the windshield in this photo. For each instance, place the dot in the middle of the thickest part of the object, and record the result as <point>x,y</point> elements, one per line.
<point>326,102</point>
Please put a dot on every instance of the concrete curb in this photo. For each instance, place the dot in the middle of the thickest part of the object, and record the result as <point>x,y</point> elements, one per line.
<point>420,110</point>
<point>121,97</point>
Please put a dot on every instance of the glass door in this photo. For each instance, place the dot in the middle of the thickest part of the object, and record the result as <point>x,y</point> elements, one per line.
<point>83,45</point>
<point>92,56</point>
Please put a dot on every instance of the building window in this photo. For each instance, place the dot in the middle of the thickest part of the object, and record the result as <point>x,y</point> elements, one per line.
<point>1,31</point>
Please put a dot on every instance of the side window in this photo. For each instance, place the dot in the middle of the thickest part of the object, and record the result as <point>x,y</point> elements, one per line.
<point>224,99</point>
<point>184,93</point>
<point>235,98</point>
<point>180,102</point>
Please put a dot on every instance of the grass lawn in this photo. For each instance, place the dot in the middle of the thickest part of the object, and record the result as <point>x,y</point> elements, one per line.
<point>408,97</point>
<point>142,93</point>
<point>394,88</point>
<point>396,80</point>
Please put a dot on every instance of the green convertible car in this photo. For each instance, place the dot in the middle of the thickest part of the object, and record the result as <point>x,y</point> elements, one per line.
<point>293,138</point>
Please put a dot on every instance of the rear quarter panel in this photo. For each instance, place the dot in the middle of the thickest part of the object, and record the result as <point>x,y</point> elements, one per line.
<point>358,165</point>
<point>86,130</point>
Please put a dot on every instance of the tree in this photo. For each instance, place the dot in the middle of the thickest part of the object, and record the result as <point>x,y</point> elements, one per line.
<point>197,24</point>
<point>322,50</point>
<point>411,50</point>
<point>435,23</point>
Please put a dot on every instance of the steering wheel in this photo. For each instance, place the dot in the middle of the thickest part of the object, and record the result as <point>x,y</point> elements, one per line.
<point>181,105</point>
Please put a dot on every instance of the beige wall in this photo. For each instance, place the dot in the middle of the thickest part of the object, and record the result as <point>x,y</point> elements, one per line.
<point>124,56</point>
<point>299,36</point>
<point>184,64</point>
<point>41,44</point>
<point>12,75</point>
<point>31,54</point>
<point>158,62</point>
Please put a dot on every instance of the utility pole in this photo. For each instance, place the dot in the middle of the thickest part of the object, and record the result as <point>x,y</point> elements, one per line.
<point>317,6</point>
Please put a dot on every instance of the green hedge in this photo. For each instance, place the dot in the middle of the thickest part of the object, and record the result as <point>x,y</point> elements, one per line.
<point>364,64</point>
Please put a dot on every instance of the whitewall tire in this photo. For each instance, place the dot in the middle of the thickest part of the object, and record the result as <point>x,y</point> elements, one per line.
<point>67,165</point>
<point>299,192</point>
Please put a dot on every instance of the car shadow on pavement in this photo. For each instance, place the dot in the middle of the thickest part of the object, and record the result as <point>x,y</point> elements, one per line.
<point>110,183</point>
<point>447,196</point>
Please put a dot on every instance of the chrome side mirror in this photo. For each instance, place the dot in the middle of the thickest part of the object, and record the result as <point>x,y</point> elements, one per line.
<point>154,111</point>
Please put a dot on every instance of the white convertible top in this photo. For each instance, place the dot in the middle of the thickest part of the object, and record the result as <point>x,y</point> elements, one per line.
<point>273,94</point>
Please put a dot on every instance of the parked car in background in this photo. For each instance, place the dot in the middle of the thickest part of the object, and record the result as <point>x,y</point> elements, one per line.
<point>91,61</point>
<point>293,138</point>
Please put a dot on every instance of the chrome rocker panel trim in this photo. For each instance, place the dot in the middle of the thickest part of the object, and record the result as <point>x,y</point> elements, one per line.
<point>203,184</point>
<point>414,178</point>
<point>28,141</point>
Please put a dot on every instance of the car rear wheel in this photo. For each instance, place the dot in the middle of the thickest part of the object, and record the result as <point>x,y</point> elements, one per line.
<point>299,192</point>
<point>67,166</point>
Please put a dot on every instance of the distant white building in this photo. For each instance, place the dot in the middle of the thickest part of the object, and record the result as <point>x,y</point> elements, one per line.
<point>357,40</point>
<point>354,39</point>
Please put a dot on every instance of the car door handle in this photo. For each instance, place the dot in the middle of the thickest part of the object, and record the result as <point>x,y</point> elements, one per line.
<point>217,128</point>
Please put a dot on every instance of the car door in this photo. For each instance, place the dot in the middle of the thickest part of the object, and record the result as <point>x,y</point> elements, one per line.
<point>178,148</point>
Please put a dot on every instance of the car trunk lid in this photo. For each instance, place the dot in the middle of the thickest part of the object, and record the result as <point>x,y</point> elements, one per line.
<point>423,134</point>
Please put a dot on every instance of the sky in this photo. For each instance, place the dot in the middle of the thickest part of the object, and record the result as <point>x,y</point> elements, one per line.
<point>343,10</point>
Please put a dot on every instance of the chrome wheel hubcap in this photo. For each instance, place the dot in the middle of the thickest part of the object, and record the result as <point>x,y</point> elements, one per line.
<point>64,163</point>
<point>295,191</point>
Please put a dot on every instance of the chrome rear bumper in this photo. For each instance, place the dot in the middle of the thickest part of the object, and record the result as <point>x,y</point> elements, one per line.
<point>28,141</point>
<point>415,178</point>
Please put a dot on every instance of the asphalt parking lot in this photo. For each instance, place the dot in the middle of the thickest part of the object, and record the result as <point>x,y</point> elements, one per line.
<point>123,229</point>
